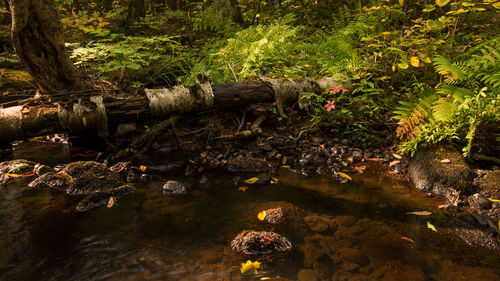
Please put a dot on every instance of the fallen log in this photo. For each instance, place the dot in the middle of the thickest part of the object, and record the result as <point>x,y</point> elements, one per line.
<point>37,117</point>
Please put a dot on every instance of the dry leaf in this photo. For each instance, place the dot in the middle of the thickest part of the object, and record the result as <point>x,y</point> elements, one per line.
<point>251,180</point>
<point>408,239</point>
<point>360,169</point>
<point>446,161</point>
<point>420,213</point>
<point>274,180</point>
<point>493,200</point>
<point>345,176</point>
<point>373,159</point>
<point>192,161</point>
<point>143,168</point>
<point>397,156</point>
<point>429,225</point>
<point>262,215</point>
<point>243,188</point>
<point>394,163</point>
<point>111,202</point>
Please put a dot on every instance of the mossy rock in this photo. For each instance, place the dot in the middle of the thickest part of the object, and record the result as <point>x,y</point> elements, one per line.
<point>489,184</point>
<point>443,171</point>
<point>14,81</point>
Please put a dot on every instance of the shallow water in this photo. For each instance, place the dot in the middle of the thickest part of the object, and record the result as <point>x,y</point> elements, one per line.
<point>151,236</point>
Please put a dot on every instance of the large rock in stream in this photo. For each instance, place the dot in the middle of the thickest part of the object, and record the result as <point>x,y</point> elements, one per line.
<point>260,242</point>
<point>16,169</point>
<point>442,171</point>
<point>95,182</point>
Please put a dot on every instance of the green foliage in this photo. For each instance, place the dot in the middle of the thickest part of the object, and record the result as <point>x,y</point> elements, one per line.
<point>148,61</point>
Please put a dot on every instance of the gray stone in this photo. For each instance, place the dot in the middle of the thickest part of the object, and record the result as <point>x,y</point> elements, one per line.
<point>174,187</point>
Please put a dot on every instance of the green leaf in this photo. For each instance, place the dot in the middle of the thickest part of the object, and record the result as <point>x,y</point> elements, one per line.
<point>442,3</point>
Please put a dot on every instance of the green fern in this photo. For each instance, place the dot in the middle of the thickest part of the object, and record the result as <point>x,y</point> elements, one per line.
<point>449,70</point>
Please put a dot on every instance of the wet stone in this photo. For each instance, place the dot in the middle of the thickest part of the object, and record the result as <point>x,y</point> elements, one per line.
<point>479,202</point>
<point>247,164</point>
<point>98,199</point>
<point>274,216</point>
<point>15,169</point>
<point>174,187</point>
<point>260,242</point>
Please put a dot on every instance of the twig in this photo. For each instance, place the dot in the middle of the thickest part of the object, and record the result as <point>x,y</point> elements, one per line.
<point>232,71</point>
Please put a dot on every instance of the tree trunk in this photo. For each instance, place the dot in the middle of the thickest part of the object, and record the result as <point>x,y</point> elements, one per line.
<point>229,9</point>
<point>38,41</point>
<point>136,10</point>
<point>23,121</point>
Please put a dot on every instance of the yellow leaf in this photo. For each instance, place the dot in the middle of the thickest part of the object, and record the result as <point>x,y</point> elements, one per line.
<point>262,215</point>
<point>496,5</point>
<point>111,202</point>
<point>344,176</point>
<point>143,168</point>
<point>192,161</point>
<point>250,267</point>
<point>17,175</point>
<point>265,278</point>
<point>401,2</point>
<point>493,200</point>
<point>420,213</point>
<point>403,65</point>
<point>429,225</point>
<point>274,180</point>
<point>442,3</point>
<point>251,180</point>
<point>393,68</point>
<point>414,61</point>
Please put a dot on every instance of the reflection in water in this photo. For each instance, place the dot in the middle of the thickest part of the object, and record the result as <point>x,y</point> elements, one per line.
<point>355,231</point>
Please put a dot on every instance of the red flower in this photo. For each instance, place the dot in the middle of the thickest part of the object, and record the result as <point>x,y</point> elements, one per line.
<point>329,105</point>
<point>335,89</point>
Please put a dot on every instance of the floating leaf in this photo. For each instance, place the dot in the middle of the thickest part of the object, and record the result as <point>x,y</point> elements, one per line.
<point>143,168</point>
<point>345,176</point>
<point>262,215</point>
<point>394,163</point>
<point>442,3</point>
<point>111,202</point>
<point>429,225</point>
<point>414,61</point>
<point>265,278</point>
<point>360,169</point>
<point>243,188</point>
<point>192,161</point>
<point>420,213</point>
<point>408,239</point>
<point>493,200</point>
<point>250,267</point>
<point>251,180</point>
<point>274,180</point>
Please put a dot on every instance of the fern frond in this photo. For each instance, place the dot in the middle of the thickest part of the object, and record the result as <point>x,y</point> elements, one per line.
<point>442,110</point>
<point>449,70</point>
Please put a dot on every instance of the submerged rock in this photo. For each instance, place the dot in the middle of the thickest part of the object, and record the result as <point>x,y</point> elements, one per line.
<point>174,187</point>
<point>272,216</point>
<point>260,242</point>
<point>103,198</point>
<point>321,223</point>
<point>442,171</point>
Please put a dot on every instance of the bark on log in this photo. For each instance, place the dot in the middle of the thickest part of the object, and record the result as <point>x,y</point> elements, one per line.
<point>38,118</point>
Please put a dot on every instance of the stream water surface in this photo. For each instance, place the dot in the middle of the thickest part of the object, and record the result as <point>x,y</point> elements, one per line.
<point>152,236</point>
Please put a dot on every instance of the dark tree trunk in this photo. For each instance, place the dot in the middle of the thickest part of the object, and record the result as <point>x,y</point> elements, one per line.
<point>38,41</point>
<point>136,10</point>
<point>230,9</point>
<point>107,5</point>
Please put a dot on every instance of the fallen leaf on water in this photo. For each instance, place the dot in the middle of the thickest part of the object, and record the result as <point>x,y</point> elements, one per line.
<point>420,213</point>
<point>408,239</point>
<point>203,155</point>
<point>394,163</point>
<point>345,176</point>
<point>446,161</point>
<point>265,278</point>
<point>18,175</point>
<point>143,168</point>
<point>274,180</point>
<point>192,161</point>
<point>394,172</point>
<point>262,215</point>
<point>397,156</point>
<point>429,225</point>
<point>373,159</point>
<point>493,200</point>
<point>250,267</point>
<point>251,180</point>
<point>243,188</point>
<point>111,202</point>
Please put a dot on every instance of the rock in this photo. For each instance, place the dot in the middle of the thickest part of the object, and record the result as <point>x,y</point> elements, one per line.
<point>488,185</point>
<point>308,275</point>
<point>174,187</point>
<point>50,180</point>
<point>41,169</point>
<point>428,173</point>
<point>321,223</point>
<point>478,202</point>
<point>247,164</point>
<point>16,169</point>
<point>353,255</point>
<point>274,216</point>
<point>122,168</point>
<point>89,177</point>
<point>103,198</point>
<point>260,242</point>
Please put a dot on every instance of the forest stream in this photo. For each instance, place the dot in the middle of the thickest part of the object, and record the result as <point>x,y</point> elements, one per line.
<point>361,230</point>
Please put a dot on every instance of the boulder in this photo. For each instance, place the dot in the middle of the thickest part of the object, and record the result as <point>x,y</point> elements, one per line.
<point>174,187</point>
<point>16,169</point>
<point>260,242</point>
<point>442,171</point>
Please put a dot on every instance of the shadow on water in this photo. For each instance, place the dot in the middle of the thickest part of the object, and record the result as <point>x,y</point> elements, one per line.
<point>150,236</point>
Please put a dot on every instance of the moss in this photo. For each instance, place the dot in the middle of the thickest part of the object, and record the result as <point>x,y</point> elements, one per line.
<point>431,170</point>
<point>14,80</point>
<point>489,184</point>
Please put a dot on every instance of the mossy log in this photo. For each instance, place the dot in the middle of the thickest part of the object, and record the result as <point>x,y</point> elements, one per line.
<point>93,110</point>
